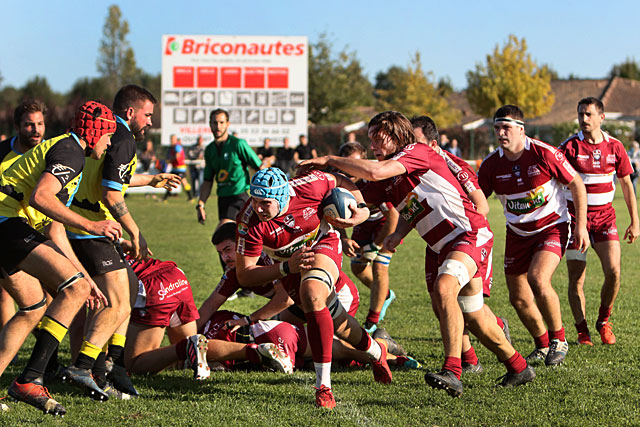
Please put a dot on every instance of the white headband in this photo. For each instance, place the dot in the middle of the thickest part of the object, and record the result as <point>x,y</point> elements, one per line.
<point>509,120</point>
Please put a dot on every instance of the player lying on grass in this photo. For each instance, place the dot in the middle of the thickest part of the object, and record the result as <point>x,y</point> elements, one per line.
<point>165,304</point>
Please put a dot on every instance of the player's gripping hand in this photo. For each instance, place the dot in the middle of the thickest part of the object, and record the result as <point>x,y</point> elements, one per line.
<point>106,228</point>
<point>350,247</point>
<point>311,164</point>
<point>391,242</point>
<point>358,216</point>
<point>301,260</point>
<point>235,324</point>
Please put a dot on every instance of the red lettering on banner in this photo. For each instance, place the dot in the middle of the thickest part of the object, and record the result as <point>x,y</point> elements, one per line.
<point>183,77</point>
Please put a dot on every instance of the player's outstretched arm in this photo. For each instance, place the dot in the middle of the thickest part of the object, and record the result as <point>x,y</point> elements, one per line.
<point>633,231</point>
<point>167,181</point>
<point>44,199</point>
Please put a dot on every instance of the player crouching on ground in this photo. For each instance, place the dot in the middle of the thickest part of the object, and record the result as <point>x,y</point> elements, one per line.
<point>286,221</point>
<point>165,303</point>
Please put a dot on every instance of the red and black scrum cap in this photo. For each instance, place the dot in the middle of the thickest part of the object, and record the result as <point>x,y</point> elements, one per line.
<point>93,120</point>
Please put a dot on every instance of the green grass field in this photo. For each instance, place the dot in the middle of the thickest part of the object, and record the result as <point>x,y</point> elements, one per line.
<point>595,386</point>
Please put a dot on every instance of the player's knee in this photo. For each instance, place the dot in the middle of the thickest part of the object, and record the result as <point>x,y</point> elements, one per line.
<point>34,312</point>
<point>471,303</point>
<point>75,286</point>
<point>519,303</point>
<point>456,269</point>
<point>612,274</point>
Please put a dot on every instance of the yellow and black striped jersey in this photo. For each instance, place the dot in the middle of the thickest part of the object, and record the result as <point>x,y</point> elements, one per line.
<point>113,171</point>
<point>62,156</point>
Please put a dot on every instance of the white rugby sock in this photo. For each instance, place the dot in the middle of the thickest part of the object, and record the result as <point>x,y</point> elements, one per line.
<point>374,351</point>
<point>323,374</point>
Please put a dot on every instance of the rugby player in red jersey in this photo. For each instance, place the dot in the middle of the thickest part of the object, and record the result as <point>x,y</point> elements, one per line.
<point>527,176</point>
<point>430,199</point>
<point>286,221</point>
<point>598,157</point>
<point>426,132</point>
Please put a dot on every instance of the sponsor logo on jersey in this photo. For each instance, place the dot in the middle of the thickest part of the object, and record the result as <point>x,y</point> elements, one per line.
<point>306,178</point>
<point>29,238</point>
<point>503,177</point>
<point>412,209</point>
<point>611,159</point>
<point>308,212</point>
<point>533,170</point>
<point>532,201</point>
<point>62,171</point>
<point>241,245</point>
<point>582,157</point>
<point>123,169</point>
<point>243,228</point>
<point>107,263</point>
<point>516,170</point>
<point>463,176</point>
<point>223,175</point>
<point>558,155</point>
<point>552,243</point>
<point>277,231</point>
<point>172,289</point>
<point>307,239</point>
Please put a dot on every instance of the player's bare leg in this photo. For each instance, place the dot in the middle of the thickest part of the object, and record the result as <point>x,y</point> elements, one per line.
<point>28,294</point>
<point>105,321</point>
<point>609,254</point>
<point>576,270</point>
<point>7,305</point>
<point>543,265</point>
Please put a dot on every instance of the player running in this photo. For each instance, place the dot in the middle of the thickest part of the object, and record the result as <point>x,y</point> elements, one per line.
<point>46,178</point>
<point>527,176</point>
<point>597,156</point>
<point>430,199</point>
<point>286,221</point>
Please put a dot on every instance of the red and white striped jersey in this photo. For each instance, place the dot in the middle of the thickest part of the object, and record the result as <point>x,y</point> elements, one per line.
<point>529,188</point>
<point>462,171</point>
<point>302,223</point>
<point>597,164</point>
<point>430,198</point>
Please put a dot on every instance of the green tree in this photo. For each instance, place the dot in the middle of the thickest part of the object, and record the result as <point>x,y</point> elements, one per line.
<point>116,61</point>
<point>629,69</point>
<point>412,92</point>
<point>510,76</point>
<point>337,84</point>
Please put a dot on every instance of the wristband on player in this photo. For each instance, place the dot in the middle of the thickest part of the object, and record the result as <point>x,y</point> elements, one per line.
<point>284,268</point>
<point>362,205</point>
<point>248,319</point>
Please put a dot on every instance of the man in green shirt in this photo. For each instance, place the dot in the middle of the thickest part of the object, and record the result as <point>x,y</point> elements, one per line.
<point>226,159</point>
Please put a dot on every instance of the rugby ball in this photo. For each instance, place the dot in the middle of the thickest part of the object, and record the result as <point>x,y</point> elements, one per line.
<point>337,204</point>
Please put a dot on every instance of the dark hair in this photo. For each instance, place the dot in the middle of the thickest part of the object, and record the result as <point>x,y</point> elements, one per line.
<point>27,106</point>
<point>509,110</point>
<point>348,148</point>
<point>428,126</point>
<point>131,96</point>
<point>226,231</point>
<point>216,112</point>
<point>396,126</point>
<point>592,101</point>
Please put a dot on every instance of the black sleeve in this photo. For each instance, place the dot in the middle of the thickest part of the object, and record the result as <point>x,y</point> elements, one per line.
<point>65,160</point>
<point>117,160</point>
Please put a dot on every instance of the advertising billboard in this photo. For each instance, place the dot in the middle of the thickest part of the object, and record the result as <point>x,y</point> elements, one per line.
<point>261,81</point>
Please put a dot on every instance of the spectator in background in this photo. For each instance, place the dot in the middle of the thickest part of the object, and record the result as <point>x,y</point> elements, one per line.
<point>351,137</point>
<point>634,156</point>
<point>305,150</point>
<point>453,148</point>
<point>196,168</point>
<point>444,141</point>
<point>147,157</point>
<point>284,157</point>
<point>178,166</point>
<point>265,153</point>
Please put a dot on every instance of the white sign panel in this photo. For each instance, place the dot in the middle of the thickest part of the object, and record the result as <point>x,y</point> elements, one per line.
<point>261,81</point>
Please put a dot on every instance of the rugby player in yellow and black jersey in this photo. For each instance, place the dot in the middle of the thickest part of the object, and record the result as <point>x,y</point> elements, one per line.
<point>46,177</point>
<point>100,196</point>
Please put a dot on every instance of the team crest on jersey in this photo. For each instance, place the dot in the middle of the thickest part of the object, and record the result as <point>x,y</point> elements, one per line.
<point>483,254</point>
<point>532,201</point>
<point>309,212</point>
<point>62,171</point>
<point>533,170</point>
<point>412,208</point>
<point>223,175</point>
<point>597,155</point>
<point>516,170</point>
<point>290,221</point>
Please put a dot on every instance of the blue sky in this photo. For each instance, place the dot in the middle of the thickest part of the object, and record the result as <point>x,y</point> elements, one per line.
<point>584,38</point>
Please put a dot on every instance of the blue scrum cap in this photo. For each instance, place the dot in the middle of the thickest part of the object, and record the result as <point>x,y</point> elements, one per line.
<point>271,183</point>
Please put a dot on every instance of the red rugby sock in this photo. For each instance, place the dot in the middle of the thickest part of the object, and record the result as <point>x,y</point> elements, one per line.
<point>603,314</point>
<point>470,357</point>
<point>582,327</point>
<point>499,322</point>
<point>559,335</point>
<point>516,363</point>
<point>181,349</point>
<point>251,353</point>
<point>453,364</point>
<point>320,331</point>
<point>373,316</point>
<point>542,341</point>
